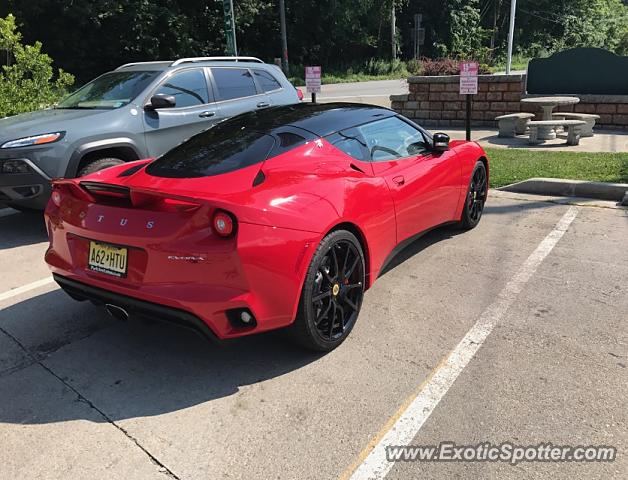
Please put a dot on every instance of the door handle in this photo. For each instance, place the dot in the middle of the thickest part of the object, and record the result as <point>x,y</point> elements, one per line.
<point>263,104</point>
<point>399,180</point>
<point>206,114</point>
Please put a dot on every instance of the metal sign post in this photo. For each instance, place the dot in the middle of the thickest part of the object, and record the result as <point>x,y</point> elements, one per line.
<point>468,87</point>
<point>313,81</point>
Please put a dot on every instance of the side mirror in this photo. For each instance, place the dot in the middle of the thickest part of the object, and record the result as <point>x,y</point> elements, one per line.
<point>441,142</point>
<point>161,100</point>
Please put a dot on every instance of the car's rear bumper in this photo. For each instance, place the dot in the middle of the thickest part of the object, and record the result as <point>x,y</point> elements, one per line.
<point>30,189</point>
<point>263,276</point>
<point>135,308</point>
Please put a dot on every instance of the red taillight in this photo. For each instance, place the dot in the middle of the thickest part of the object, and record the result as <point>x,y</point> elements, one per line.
<point>300,93</point>
<point>224,224</point>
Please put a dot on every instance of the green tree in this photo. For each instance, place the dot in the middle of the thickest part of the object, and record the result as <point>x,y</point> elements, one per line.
<point>466,34</point>
<point>89,37</point>
<point>594,23</point>
<point>27,82</point>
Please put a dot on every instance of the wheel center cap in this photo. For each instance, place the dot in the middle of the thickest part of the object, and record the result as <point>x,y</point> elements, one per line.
<point>335,289</point>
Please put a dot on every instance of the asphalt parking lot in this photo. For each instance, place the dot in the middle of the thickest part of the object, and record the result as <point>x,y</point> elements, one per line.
<point>544,284</point>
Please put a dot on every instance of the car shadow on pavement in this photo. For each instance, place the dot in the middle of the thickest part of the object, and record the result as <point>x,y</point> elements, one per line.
<point>449,231</point>
<point>22,229</point>
<point>125,369</point>
<point>522,206</point>
<point>421,243</point>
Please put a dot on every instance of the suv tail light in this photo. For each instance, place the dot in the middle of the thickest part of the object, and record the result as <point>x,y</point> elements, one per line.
<point>300,93</point>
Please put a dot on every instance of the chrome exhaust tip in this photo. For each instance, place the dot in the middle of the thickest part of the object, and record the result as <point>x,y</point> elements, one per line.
<point>117,312</point>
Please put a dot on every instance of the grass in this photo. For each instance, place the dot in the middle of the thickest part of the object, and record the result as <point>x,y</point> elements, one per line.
<point>516,65</point>
<point>519,62</point>
<point>510,166</point>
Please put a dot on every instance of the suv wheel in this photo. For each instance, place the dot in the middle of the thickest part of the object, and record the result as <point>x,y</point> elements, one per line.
<point>98,164</point>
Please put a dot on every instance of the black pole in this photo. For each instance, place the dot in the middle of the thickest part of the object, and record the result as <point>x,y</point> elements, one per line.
<point>468,120</point>
<point>284,37</point>
<point>232,45</point>
<point>313,97</point>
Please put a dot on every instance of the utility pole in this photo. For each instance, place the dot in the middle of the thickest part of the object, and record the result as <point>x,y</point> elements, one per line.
<point>393,31</point>
<point>230,32</point>
<point>496,5</point>
<point>511,34</point>
<point>284,37</point>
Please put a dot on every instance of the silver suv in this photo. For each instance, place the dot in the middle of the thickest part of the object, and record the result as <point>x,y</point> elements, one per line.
<point>137,111</point>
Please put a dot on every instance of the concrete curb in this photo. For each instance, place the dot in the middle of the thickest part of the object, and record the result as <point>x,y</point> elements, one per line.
<point>570,188</point>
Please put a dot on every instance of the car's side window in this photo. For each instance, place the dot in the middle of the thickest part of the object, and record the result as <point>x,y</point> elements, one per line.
<point>350,141</point>
<point>391,139</point>
<point>233,83</point>
<point>266,81</point>
<point>189,88</point>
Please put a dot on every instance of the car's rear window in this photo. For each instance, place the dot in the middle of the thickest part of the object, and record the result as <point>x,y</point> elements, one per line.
<point>221,149</point>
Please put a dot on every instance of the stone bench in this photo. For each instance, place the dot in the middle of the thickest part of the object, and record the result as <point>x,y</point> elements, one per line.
<point>589,118</point>
<point>513,124</point>
<point>545,130</point>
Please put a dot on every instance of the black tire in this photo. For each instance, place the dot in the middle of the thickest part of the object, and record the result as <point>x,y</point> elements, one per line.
<point>332,293</point>
<point>475,197</point>
<point>98,164</point>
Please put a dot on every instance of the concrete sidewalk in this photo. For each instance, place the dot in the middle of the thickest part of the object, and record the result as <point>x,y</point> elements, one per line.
<point>603,141</point>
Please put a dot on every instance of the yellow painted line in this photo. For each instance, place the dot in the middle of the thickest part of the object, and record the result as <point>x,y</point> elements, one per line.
<point>391,421</point>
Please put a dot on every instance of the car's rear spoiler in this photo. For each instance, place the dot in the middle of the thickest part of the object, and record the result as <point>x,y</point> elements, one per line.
<point>124,196</point>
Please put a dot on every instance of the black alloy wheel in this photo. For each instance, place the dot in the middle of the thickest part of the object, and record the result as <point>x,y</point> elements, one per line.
<point>332,293</point>
<point>476,197</point>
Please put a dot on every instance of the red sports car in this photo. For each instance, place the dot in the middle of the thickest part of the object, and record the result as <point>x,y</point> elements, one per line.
<point>276,218</point>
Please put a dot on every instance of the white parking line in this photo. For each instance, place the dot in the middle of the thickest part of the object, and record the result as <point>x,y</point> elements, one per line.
<point>25,288</point>
<point>5,212</point>
<point>404,426</point>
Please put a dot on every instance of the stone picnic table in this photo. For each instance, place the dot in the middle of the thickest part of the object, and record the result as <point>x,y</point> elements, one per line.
<point>548,104</point>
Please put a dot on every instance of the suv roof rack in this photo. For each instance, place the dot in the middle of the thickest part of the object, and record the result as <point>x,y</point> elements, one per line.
<point>215,59</point>
<point>164,62</point>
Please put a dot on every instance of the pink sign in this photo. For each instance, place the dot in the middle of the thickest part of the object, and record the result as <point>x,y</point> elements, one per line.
<point>313,79</point>
<point>469,78</point>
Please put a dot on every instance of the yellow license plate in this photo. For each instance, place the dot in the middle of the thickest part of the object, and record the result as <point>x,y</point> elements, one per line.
<point>109,259</point>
